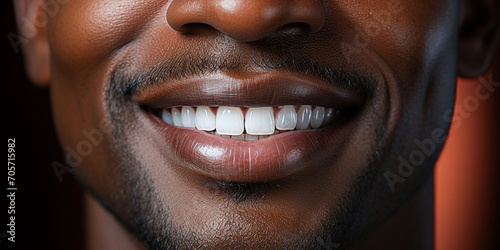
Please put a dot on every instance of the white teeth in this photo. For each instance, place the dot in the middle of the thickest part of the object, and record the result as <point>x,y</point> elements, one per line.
<point>251,137</point>
<point>176,117</point>
<point>317,117</point>
<point>304,117</point>
<point>204,119</point>
<point>238,137</point>
<point>167,117</point>
<point>229,121</point>
<point>187,117</point>
<point>227,136</point>
<point>259,121</point>
<point>329,114</point>
<point>286,118</point>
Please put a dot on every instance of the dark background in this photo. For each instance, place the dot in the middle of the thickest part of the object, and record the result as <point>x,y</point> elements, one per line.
<point>49,213</point>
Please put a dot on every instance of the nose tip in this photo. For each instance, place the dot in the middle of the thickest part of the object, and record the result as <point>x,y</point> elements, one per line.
<point>247,21</point>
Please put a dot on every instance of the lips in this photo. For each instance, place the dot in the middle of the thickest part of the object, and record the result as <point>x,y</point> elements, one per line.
<point>284,154</point>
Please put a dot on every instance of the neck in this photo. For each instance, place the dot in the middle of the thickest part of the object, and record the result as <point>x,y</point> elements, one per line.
<point>412,227</point>
<point>103,231</point>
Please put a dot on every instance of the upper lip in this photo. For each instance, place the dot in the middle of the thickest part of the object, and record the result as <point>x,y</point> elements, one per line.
<point>277,157</point>
<point>271,89</point>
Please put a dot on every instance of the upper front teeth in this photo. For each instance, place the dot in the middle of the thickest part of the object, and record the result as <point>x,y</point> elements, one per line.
<point>204,119</point>
<point>229,121</point>
<point>261,121</point>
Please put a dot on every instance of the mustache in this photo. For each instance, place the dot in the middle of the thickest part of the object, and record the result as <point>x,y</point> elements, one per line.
<point>127,84</point>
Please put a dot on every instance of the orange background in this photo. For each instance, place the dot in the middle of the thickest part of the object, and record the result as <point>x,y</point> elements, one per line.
<point>467,198</point>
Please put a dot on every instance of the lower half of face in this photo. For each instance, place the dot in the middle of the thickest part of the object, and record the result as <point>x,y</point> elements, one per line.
<point>309,144</point>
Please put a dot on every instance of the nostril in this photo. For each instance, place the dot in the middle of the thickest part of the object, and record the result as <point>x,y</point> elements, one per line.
<point>196,28</point>
<point>294,29</point>
<point>246,21</point>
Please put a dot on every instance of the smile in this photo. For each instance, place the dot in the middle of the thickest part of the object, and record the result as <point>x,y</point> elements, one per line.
<point>249,124</point>
<point>256,129</point>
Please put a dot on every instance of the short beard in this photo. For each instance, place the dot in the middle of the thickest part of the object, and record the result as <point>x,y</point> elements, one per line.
<point>138,205</point>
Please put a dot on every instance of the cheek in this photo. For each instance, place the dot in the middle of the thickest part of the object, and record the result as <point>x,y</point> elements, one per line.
<point>84,33</point>
<point>84,36</point>
<point>412,44</point>
<point>407,35</point>
<point>419,52</point>
<point>422,39</point>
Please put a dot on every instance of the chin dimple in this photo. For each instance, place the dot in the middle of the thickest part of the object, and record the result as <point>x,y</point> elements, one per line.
<point>249,123</point>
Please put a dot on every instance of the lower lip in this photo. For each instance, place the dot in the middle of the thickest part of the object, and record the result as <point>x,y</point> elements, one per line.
<point>269,159</point>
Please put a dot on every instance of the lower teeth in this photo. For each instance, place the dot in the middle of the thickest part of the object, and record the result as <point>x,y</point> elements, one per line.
<point>245,136</point>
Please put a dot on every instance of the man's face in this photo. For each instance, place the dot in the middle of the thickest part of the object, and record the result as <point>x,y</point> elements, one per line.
<point>386,70</point>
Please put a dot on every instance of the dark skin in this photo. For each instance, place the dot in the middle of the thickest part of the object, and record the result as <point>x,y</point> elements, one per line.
<point>390,66</point>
